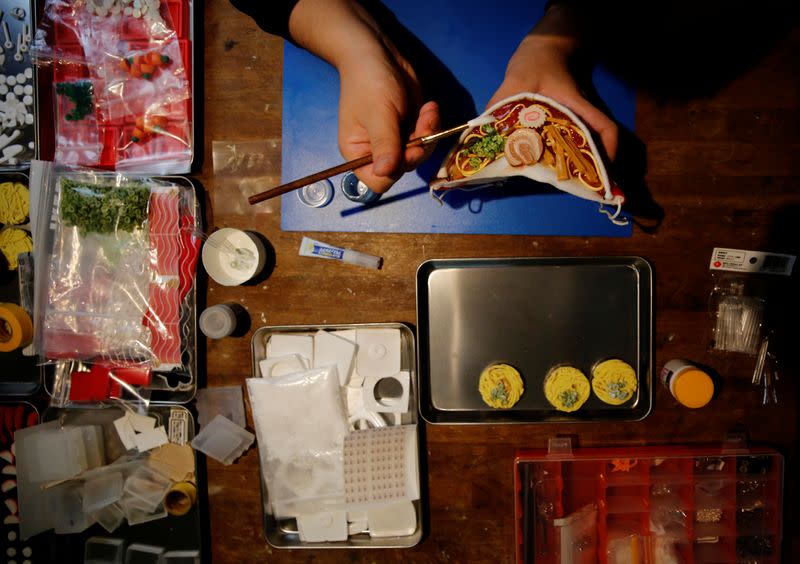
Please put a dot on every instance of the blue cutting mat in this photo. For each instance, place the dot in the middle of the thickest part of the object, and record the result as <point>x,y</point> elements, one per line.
<point>467,56</point>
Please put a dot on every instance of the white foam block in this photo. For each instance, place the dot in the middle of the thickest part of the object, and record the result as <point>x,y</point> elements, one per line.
<point>141,423</point>
<point>378,352</point>
<point>347,334</point>
<point>322,527</point>
<point>151,439</point>
<point>125,431</point>
<point>389,404</point>
<point>281,345</point>
<point>282,365</point>
<point>392,520</point>
<point>356,521</point>
<point>332,349</point>
<point>355,400</point>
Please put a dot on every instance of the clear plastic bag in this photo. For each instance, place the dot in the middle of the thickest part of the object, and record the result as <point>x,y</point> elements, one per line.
<point>115,274</point>
<point>242,169</point>
<point>141,88</point>
<point>738,316</point>
<point>301,424</point>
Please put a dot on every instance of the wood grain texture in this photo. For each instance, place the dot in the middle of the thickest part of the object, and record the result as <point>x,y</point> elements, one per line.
<point>726,172</point>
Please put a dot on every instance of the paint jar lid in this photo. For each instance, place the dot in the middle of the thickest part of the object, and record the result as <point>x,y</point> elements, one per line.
<point>316,195</point>
<point>693,388</point>
<point>217,321</point>
<point>356,191</point>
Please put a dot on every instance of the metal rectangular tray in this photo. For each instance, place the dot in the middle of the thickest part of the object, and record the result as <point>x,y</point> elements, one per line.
<point>21,375</point>
<point>184,533</point>
<point>164,390</point>
<point>533,313</point>
<point>283,533</point>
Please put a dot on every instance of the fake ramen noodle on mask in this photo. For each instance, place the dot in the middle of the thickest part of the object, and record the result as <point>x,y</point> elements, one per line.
<point>533,136</point>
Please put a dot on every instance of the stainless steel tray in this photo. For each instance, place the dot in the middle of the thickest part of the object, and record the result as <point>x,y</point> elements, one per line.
<point>283,533</point>
<point>169,388</point>
<point>21,375</point>
<point>533,313</point>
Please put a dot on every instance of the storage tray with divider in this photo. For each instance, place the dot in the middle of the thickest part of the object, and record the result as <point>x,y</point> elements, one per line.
<point>649,504</point>
<point>102,141</point>
<point>284,533</point>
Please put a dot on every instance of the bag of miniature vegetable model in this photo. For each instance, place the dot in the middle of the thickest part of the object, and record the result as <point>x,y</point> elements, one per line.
<point>115,261</point>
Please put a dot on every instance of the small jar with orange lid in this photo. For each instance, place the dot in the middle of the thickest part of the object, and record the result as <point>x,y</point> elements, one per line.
<point>688,384</point>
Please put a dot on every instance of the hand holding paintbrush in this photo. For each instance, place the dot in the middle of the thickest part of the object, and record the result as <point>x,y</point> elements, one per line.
<point>349,165</point>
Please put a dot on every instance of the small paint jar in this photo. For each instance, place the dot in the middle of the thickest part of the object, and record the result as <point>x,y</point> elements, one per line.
<point>688,384</point>
<point>356,191</point>
<point>317,194</point>
<point>220,320</point>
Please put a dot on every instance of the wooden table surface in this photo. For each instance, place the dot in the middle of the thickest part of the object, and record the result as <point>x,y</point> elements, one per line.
<point>724,169</point>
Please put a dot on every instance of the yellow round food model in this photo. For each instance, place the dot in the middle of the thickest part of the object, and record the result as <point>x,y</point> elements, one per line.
<point>566,388</point>
<point>14,242</point>
<point>614,381</point>
<point>500,385</point>
<point>13,203</point>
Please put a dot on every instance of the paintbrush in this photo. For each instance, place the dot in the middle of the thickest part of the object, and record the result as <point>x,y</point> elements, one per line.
<point>362,161</point>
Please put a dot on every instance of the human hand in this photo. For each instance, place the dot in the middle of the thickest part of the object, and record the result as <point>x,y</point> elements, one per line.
<point>379,95</point>
<point>541,64</point>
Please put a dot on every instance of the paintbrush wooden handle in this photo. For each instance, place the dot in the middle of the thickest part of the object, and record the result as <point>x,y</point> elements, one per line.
<point>310,179</point>
<point>344,167</point>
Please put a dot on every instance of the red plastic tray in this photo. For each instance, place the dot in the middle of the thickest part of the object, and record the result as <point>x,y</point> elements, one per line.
<point>711,504</point>
<point>113,135</point>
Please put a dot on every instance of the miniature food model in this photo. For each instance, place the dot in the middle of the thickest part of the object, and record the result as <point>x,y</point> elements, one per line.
<point>13,203</point>
<point>533,136</point>
<point>566,388</point>
<point>614,381</point>
<point>14,242</point>
<point>500,386</point>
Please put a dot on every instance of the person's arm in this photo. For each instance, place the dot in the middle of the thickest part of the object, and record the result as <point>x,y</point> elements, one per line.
<point>541,64</point>
<point>272,16</point>
<point>380,98</point>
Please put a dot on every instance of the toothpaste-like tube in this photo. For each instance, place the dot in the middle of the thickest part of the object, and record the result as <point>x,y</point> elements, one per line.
<point>311,248</point>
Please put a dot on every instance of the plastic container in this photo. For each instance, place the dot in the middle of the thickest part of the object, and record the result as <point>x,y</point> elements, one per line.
<point>143,554</point>
<point>316,195</point>
<point>356,191</point>
<point>233,256</point>
<point>688,384</point>
<point>170,533</point>
<point>220,400</point>
<point>218,321</point>
<point>223,440</point>
<point>669,503</point>
<point>102,550</point>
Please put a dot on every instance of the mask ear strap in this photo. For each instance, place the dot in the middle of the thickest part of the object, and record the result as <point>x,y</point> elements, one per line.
<point>613,217</point>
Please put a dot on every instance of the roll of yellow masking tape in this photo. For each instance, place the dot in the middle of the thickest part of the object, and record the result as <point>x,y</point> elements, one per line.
<point>180,498</point>
<point>16,327</point>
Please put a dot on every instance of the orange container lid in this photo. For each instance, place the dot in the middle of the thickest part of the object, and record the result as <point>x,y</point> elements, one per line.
<point>693,388</point>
